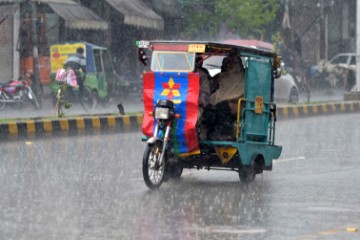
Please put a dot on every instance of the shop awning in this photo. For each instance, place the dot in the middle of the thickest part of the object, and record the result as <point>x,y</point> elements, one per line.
<point>168,8</point>
<point>77,16</point>
<point>137,13</point>
<point>39,1</point>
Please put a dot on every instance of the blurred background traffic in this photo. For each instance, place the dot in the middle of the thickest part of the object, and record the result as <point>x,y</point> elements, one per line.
<point>316,38</point>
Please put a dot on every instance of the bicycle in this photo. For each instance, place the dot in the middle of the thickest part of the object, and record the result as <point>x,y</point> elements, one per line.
<point>67,81</point>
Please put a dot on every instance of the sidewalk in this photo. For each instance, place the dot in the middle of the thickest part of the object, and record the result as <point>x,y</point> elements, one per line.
<point>322,102</point>
<point>322,95</point>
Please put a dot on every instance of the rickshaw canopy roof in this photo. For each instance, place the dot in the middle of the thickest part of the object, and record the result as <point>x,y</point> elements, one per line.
<point>61,51</point>
<point>202,47</point>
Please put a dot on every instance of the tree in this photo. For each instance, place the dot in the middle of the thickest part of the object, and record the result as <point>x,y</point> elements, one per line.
<point>247,18</point>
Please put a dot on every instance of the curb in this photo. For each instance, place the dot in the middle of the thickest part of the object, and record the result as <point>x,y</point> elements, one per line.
<point>71,126</point>
<point>112,123</point>
<point>296,111</point>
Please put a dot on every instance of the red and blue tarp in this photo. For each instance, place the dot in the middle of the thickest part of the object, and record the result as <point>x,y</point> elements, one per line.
<point>183,90</point>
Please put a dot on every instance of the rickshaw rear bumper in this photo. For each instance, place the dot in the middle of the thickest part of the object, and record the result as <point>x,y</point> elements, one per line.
<point>248,151</point>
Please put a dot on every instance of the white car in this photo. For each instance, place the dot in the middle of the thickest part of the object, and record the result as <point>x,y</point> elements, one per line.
<point>285,88</point>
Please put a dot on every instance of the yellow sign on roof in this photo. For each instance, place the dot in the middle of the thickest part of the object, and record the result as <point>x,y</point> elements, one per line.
<point>197,48</point>
<point>60,52</point>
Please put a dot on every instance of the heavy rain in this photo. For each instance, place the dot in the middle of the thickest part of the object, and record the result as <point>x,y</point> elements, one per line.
<point>96,182</point>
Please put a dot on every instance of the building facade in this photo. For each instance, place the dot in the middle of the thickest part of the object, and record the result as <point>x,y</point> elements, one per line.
<point>47,22</point>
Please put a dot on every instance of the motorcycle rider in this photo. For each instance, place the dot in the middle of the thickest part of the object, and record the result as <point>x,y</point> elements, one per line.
<point>77,62</point>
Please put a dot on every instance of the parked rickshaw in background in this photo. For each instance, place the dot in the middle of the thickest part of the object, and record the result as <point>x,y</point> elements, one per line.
<point>101,81</point>
<point>171,92</point>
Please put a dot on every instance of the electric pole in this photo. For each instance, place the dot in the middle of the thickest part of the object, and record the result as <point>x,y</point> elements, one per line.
<point>355,95</point>
<point>358,46</point>
<point>36,83</point>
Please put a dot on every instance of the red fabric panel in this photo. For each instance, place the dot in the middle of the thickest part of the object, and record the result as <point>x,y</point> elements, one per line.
<point>148,96</point>
<point>192,111</point>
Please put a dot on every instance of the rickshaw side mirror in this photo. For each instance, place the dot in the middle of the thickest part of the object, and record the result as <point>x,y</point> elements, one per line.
<point>277,72</point>
<point>142,56</point>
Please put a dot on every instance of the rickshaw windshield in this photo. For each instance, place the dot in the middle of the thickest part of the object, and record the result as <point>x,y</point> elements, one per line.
<point>170,61</point>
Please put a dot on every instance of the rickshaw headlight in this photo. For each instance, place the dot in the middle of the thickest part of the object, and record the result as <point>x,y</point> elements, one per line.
<point>162,113</point>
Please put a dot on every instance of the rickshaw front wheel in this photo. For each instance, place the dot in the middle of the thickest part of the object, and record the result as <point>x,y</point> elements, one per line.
<point>89,99</point>
<point>153,171</point>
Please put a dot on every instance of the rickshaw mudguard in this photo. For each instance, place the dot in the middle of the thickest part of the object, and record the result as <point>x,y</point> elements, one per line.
<point>247,150</point>
<point>152,140</point>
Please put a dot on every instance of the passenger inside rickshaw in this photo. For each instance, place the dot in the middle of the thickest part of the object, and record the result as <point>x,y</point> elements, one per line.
<point>219,116</point>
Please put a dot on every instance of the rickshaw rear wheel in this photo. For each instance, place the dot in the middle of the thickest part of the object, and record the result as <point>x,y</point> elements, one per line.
<point>89,100</point>
<point>177,171</point>
<point>247,174</point>
<point>153,172</point>
<point>174,170</point>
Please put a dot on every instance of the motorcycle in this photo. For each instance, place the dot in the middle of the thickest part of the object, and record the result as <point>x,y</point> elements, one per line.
<point>17,92</point>
<point>156,165</point>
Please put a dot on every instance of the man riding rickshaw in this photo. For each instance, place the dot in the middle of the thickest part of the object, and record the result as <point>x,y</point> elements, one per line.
<point>96,78</point>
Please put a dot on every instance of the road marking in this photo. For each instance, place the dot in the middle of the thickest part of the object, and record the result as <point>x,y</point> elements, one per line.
<point>226,230</point>
<point>289,159</point>
<point>353,230</point>
<point>332,209</point>
<point>238,231</point>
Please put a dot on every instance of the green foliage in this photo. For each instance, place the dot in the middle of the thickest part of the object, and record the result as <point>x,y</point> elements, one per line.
<point>67,105</point>
<point>61,103</point>
<point>246,18</point>
<point>277,41</point>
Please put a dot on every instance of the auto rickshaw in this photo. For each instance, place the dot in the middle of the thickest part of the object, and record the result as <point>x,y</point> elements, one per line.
<point>171,92</point>
<point>101,78</point>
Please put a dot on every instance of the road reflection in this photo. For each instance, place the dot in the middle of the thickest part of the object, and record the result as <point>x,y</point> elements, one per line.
<point>192,209</point>
<point>91,187</point>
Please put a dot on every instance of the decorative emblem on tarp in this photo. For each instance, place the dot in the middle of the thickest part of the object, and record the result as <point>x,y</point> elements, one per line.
<point>183,90</point>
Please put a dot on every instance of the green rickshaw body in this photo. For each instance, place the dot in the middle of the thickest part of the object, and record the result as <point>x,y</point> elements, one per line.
<point>254,145</point>
<point>256,131</point>
<point>101,76</point>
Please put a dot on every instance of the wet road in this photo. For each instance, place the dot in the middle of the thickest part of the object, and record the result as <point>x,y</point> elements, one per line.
<point>91,187</point>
